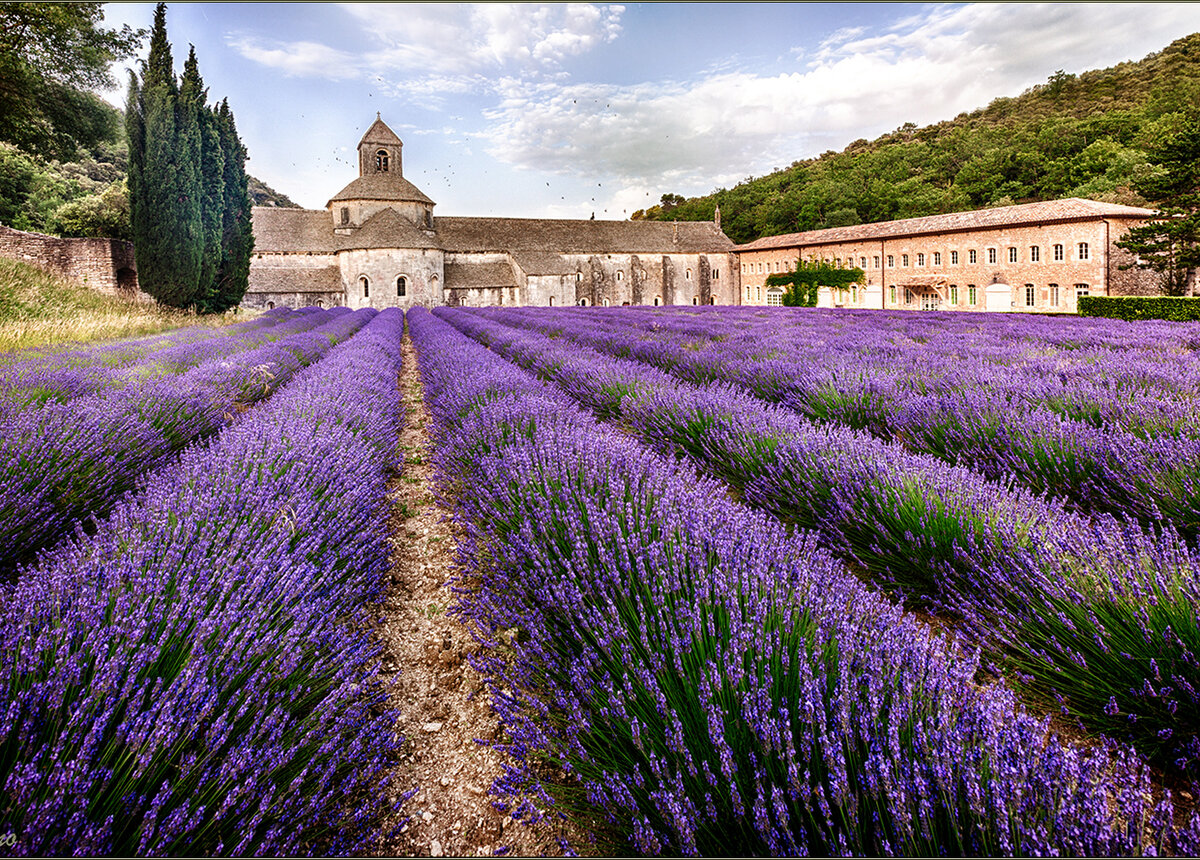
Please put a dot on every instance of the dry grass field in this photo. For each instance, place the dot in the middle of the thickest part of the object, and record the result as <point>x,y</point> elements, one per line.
<point>38,309</point>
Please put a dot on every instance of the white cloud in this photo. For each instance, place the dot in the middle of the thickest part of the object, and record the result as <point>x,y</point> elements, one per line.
<point>692,136</point>
<point>302,59</point>
<point>435,44</point>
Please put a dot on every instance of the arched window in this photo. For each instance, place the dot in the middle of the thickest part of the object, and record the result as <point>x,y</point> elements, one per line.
<point>366,286</point>
<point>620,276</point>
<point>270,306</point>
<point>320,303</point>
<point>774,297</point>
<point>657,301</point>
<point>605,302</point>
<point>695,300</point>
<point>552,301</point>
<point>401,286</point>
<point>583,303</point>
<point>381,161</point>
<point>688,275</point>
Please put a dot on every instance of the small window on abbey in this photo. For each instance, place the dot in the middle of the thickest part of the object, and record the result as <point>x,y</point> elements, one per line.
<point>366,287</point>
<point>381,161</point>
<point>401,286</point>
<point>345,214</point>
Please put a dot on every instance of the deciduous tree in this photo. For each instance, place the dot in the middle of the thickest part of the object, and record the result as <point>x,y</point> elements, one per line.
<point>1170,245</point>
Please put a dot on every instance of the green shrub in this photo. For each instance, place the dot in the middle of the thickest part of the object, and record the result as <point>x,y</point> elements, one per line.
<point>1141,307</point>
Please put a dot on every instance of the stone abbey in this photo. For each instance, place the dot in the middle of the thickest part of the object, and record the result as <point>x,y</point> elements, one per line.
<point>378,244</point>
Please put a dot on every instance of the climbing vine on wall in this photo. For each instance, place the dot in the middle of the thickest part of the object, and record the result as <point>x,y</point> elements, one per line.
<point>804,282</point>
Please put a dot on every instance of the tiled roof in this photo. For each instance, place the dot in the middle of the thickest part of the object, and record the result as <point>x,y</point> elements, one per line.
<point>379,133</point>
<point>386,229</point>
<point>299,231</point>
<point>382,185</point>
<point>542,263</point>
<point>466,275</point>
<point>1069,209</point>
<point>292,231</point>
<point>283,279</point>
<point>562,236</point>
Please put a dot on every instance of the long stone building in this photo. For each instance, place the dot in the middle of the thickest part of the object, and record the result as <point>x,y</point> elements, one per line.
<point>378,244</point>
<point>1036,257</point>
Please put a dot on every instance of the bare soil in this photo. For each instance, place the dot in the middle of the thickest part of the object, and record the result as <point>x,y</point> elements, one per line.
<point>446,716</point>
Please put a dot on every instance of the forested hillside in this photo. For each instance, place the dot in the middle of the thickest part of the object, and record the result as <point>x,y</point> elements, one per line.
<point>63,154</point>
<point>1081,135</point>
<point>85,194</point>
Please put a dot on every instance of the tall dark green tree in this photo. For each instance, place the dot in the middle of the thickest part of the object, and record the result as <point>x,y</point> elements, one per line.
<point>211,178</point>
<point>237,235</point>
<point>1171,246</point>
<point>164,184</point>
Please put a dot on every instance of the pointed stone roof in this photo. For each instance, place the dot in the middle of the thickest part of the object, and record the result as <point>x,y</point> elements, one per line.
<point>379,133</point>
<point>387,229</point>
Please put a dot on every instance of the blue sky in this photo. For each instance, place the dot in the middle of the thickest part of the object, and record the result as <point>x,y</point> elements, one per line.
<point>562,110</point>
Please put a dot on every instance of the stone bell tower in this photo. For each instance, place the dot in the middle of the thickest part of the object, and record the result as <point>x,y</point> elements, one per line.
<point>379,150</point>
<point>380,185</point>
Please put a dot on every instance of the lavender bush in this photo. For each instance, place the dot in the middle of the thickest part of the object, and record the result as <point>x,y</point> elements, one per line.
<point>34,376</point>
<point>710,684</point>
<point>64,461</point>
<point>198,677</point>
<point>1092,627</point>
<point>1109,425</point>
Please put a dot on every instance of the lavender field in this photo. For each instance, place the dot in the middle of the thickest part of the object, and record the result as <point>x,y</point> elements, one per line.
<point>745,581</point>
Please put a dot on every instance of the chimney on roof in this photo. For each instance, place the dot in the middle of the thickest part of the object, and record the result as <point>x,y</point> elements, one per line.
<point>717,216</point>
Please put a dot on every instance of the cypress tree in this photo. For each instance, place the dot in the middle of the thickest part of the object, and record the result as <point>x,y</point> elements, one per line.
<point>164,201</point>
<point>237,242</point>
<point>135,131</point>
<point>212,185</point>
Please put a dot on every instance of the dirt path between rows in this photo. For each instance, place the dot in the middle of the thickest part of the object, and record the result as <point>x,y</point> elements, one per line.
<point>443,703</point>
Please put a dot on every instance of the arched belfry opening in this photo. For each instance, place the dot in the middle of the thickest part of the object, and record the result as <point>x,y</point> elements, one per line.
<point>379,150</point>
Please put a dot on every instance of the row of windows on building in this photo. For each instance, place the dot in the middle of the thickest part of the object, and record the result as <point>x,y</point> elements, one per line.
<point>1058,253</point>
<point>1026,295</point>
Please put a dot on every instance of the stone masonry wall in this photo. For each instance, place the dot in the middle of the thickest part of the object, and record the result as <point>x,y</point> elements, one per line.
<point>105,265</point>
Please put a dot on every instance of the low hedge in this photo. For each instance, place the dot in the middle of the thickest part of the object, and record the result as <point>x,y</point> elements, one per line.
<point>1175,308</point>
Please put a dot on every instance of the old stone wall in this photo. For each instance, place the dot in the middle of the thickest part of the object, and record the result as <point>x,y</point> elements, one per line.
<point>105,265</point>
<point>1131,281</point>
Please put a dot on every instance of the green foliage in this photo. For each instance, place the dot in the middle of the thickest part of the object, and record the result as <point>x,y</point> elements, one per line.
<point>1171,246</point>
<point>189,203</point>
<point>237,231</point>
<point>804,282</point>
<point>1140,307</point>
<point>96,215</point>
<point>1087,135</point>
<point>51,54</point>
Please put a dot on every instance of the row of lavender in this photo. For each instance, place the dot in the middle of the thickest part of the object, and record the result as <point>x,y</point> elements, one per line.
<point>1089,612</point>
<point>100,369</point>
<point>197,677</point>
<point>713,684</point>
<point>1113,427</point>
<point>64,461</point>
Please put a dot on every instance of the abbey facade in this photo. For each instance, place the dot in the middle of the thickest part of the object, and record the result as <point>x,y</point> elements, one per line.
<point>377,243</point>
